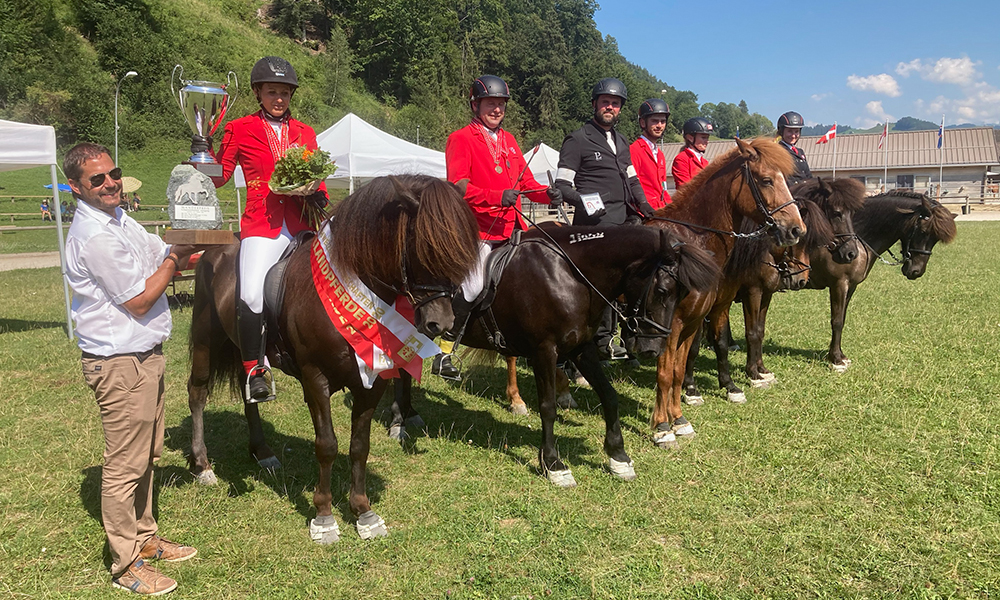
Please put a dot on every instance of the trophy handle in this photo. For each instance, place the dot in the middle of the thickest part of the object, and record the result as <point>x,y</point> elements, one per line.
<point>173,92</point>
<point>236,87</point>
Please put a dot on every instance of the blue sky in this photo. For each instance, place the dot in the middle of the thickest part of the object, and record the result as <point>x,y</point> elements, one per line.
<point>853,62</point>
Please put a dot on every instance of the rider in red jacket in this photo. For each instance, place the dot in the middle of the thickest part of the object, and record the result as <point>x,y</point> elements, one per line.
<point>270,221</point>
<point>486,163</point>
<point>691,160</point>
<point>648,160</point>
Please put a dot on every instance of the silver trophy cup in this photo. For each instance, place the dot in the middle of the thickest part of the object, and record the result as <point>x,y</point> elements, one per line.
<point>204,105</point>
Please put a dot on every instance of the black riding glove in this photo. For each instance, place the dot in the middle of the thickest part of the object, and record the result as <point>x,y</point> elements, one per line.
<point>600,213</point>
<point>508,198</point>
<point>318,199</point>
<point>555,196</point>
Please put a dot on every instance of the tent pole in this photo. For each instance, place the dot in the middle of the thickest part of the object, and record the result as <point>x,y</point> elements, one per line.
<point>62,250</point>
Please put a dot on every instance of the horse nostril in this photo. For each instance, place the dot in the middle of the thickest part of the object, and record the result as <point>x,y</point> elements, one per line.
<point>433,329</point>
<point>796,233</point>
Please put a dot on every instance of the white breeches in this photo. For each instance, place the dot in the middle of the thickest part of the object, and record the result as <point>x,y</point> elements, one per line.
<point>473,284</point>
<point>257,256</point>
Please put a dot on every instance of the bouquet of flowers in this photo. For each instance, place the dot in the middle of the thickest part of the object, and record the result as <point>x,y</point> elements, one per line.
<point>301,171</point>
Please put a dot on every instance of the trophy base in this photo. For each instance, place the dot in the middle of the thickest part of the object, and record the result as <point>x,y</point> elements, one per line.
<point>211,168</point>
<point>200,237</point>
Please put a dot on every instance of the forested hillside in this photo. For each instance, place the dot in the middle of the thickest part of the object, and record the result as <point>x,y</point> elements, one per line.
<point>399,64</point>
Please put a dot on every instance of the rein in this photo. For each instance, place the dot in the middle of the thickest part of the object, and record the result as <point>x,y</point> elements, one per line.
<point>904,243</point>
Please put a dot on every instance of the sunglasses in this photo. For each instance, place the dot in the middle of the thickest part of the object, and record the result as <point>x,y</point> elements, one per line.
<point>98,180</point>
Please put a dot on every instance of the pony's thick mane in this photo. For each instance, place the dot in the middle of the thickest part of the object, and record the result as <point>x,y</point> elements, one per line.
<point>847,195</point>
<point>371,228</point>
<point>887,206</point>
<point>767,151</point>
<point>748,253</point>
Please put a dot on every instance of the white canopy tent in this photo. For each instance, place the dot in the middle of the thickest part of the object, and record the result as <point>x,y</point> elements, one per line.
<point>363,152</point>
<point>25,146</point>
<point>544,163</point>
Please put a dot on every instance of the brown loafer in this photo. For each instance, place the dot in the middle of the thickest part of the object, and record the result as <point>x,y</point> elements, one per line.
<point>141,578</point>
<point>165,550</point>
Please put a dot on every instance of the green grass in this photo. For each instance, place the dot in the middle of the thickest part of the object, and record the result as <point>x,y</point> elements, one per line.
<point>879,483</point>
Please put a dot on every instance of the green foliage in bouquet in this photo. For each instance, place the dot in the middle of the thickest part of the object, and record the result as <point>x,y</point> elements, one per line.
<point>300,167</point>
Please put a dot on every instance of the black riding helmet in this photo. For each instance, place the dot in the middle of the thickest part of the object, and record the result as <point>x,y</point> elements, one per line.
<point>273,69</point>
<point>488,86</point>
<point>609,86</point>
<point>653,106</point>
<point>698,125</point>
<point>792,120</point>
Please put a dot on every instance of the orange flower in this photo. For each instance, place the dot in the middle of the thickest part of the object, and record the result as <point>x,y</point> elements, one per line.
<point>306,154</point>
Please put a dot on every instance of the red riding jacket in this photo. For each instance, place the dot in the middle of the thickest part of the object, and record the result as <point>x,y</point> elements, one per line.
<point>687,164</point>
<point>468,156</point>
<point>245,143</point>
<point>652,172</point>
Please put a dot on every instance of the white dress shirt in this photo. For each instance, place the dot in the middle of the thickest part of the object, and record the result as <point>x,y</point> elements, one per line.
<point>107,262</point>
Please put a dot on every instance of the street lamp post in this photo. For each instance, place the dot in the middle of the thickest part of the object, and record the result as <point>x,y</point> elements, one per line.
<point>117,89</point>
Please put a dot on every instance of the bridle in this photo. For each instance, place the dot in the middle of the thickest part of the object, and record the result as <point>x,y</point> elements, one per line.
<point>784,268</point>
<point>638,312</point>
<point>419,294</point>
<point>904,243</point>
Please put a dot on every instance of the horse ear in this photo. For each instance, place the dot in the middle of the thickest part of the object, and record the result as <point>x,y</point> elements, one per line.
<point>405,198</point>
<point>670,246</point>
<point>746,151</point>
<point>927,203</point>
<point>824,186</point>
<point>462,185</point>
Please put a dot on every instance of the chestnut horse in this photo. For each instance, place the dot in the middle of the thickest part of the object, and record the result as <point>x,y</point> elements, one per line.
<point>409,235</point>
<point>549,304</point>
<point>748,181</point>
<point>912,219</point>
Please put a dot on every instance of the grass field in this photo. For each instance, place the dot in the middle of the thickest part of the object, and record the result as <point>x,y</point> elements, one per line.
<point>883,482</point>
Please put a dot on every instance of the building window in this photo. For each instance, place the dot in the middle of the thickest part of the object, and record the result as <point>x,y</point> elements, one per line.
<point>921,182</point>
<point>904,182</point>
<point>873,183</point>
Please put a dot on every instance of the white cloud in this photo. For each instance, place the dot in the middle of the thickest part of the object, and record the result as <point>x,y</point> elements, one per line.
<point>882,83</point>
<point>866,123</point>
<point>818,97</point>
<point>875,109</point>
<point>980,105</point>
<point>959,71</point>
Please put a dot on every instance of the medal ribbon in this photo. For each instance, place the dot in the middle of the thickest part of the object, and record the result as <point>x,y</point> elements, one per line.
<point>278,146</point>
<point>495,147</point>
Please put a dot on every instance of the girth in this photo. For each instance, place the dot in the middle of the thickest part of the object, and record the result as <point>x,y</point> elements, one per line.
<point>496,263</point>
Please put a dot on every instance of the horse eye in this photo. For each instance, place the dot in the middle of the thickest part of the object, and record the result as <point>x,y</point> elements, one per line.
<point>767,181</point>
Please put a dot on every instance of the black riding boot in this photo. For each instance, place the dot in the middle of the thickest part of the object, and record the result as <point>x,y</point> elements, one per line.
<point>250,326</point>
<point>443,366</point>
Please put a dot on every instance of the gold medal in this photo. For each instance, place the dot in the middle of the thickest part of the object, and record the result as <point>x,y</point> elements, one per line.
<point>499,169</point>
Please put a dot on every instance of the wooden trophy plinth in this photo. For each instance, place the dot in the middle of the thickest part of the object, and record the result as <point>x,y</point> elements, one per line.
<point>200,237</point>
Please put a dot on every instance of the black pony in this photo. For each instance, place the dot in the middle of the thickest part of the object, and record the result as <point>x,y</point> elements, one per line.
<point>547,308</point>
<point>912,219</point>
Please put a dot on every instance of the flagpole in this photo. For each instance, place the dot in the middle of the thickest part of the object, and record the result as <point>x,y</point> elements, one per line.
<point>941,158</point>
<point>885,174</point>
<point>834,149</point>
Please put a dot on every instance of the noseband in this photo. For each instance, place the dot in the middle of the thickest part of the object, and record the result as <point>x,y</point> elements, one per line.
<point>426,293</point>
<point>758,198</point>
<point>784,268</point>
<point>639,313</point>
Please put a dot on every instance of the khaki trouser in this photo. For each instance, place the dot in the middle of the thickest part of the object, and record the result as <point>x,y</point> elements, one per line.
<point>130,396</point>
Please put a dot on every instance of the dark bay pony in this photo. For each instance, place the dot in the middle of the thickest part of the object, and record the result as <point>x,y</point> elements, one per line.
<point>748,181</point>
<point>912,219</point>
<point>546,311</point>
<point>757,263</point>
<point>408,235</point>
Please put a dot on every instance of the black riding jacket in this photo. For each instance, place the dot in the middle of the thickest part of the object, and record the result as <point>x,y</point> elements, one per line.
<point>802,172</point>
<point>587,165</point>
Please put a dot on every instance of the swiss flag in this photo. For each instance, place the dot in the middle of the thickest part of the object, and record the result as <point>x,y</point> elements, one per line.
<point>829,135</point>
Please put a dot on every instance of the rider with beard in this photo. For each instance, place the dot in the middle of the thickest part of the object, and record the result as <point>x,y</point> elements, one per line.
<point>691,159</point>
<point>649,161</point>
<point>270,221</point>
<point>789,129</point>
<point>595,161</point>
<point>486,164</point>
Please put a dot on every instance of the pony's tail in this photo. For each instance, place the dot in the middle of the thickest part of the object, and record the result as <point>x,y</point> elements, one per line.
<point>208,341</point>
<point>446,232</point>
<point>696,270</point>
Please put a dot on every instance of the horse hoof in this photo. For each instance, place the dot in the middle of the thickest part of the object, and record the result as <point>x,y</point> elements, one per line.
<point>683,429</point>
<point>519,410</point>
<point>566,401</point>
<point>665,439</point>
<point>841,367</point>
<point>206,477</point>
<point>621,470</point>
<point>324,530</point>
<point>768,376</point>
<point>398,432</point>
<point>692,400</point>
<point>371,526</point>
<point>563,479</point>
<point>736,397</point>
<point>581,381</point>
<point>762,383</point>
<point>271,463</point>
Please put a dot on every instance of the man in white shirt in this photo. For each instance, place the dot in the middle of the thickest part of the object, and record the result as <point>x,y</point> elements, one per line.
<point>119,274</point>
